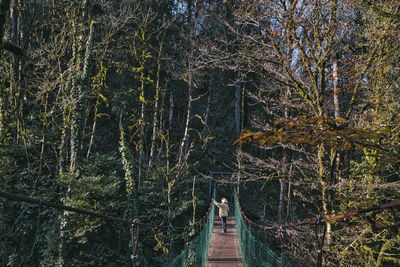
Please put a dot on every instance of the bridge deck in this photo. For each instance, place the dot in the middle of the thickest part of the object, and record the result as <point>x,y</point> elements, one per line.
<point>224,247</point>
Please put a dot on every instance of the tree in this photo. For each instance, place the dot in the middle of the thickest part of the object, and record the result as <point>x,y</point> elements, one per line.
<point>314,38</point>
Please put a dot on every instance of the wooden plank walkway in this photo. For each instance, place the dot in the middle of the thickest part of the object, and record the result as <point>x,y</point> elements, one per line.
<point>224,247</point>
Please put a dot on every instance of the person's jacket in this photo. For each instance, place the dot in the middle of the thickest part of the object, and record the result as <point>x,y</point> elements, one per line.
<point>223,209</point>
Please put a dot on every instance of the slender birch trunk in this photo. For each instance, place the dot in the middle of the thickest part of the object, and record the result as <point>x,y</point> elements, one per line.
<point>289,194</point>
<point>44,125</point>
<point>208,108</point>
<point>168,179</point>
<point>155,114</point>
<point>324,189</point>
<point>335,84</point>
<point>283,185</point>
<point>93,129</point>
<point>238,94</point>
<point>142,132</point>
<point>85,77</point>
<point>14,68</point>
<point>160,151</point>
<point>327,195</point>
<point>335,160</point>
<point>171,111</point>
<point>194,200</point>
<point>18,94</point>
<point>188,115</point>
<point>79,69</point>
<point>73,108</point>
<point>285,161</point>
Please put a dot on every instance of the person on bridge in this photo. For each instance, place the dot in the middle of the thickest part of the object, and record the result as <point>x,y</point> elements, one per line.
<point>223,211</point>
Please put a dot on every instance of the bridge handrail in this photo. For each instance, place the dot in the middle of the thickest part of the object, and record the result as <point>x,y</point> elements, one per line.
<point>196,251</point>
<point>254,252</point>
<point>319,220</point>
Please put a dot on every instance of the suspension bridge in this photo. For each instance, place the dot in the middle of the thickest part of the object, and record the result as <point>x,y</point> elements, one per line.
<point>211,247</point>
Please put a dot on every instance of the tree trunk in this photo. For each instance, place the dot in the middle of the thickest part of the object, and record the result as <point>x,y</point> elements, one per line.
<point>171,111</point>
<point>194,200</point>
<point>289,198</point>
<point>75,86</point>
<point>238,94</point>
<point>18,94</point>
<point>85,77</point>
<point>285,160</point>
<point>141,142</point>
<point>283,184</point>
<point>93,131</point>
<point>63,141</point>
<point>14,67</point>
<point>155,114</point>
<point>325,191</point>
<point>284,170</point>
<point>335,157</point>
<point>239,166</point>
<point>335,84</point>
<point>169,183</point>
<point>78,90</point>
<point>283,180</point>
<point>335,166</point>
<point>44,126</point>
<point>188,115</point>
<point>161,128</point>
<point>206,129</point>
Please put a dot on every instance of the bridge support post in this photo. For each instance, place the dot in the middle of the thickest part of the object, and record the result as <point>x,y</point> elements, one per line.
<point>135,240</point>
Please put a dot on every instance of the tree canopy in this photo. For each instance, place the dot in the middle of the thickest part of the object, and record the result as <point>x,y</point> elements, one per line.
<point>129,107</point>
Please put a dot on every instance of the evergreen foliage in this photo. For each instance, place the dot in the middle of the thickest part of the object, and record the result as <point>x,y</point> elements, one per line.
<point>126,107</point>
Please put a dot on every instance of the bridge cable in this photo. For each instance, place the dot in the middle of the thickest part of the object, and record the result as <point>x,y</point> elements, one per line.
<point>23,198</point>
<point>320,219</point>
<point>135,224</point>
<point>319,222</point>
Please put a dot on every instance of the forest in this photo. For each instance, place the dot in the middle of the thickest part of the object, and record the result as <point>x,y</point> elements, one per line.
<point>138,108</point>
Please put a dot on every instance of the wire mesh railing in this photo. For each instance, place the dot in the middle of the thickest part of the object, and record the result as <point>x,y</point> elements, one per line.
<point>196,251</point>
<point>254,252</point>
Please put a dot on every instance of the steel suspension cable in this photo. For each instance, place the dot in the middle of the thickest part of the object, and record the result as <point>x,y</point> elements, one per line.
<point>23,198</point>
<point>318,219</point>
<point>134,224</point>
